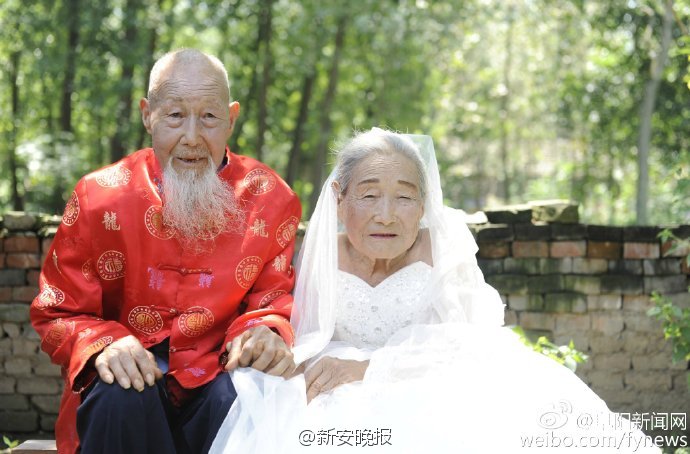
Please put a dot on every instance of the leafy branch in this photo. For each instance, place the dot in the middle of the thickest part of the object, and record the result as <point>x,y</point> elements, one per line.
<point>675,320</point>
<point>567,355</point>
<point>11,444</point>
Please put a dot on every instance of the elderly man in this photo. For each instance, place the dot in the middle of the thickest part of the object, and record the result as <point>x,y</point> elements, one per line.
<point>169,267</point>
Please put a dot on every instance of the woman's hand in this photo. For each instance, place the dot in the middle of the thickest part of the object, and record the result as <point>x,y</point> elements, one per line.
<point>329,372</point>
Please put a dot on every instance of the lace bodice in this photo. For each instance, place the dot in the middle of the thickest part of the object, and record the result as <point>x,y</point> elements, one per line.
<point>367,316</point>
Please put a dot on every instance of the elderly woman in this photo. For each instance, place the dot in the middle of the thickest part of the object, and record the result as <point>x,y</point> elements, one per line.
<point>400,336</point>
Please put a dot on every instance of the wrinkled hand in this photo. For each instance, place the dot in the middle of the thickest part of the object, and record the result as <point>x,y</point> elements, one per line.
<point>261,349</point>
<point>128,362</point>
<point>329,372</point>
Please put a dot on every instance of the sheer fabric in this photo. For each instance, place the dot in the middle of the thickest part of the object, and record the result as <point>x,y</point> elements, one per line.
<point>443,376</point>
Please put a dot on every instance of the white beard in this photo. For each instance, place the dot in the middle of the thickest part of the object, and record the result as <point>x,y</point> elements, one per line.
<point>199,206</point>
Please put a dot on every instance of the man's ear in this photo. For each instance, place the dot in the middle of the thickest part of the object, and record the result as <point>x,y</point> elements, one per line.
<point>234,112</point>
<point>145,109</point>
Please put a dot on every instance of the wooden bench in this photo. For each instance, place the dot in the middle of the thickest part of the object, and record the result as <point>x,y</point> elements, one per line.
<point>36,447</point>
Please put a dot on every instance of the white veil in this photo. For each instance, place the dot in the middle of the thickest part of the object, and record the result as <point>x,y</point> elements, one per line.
<point>456,287</point>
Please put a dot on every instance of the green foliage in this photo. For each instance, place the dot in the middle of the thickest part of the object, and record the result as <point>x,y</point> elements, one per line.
<point>9,443</point>
<point>567,355</point>
<point>525,100</point>
<point>675,320</point>
<point>681,451</point>
<point>676,323</point>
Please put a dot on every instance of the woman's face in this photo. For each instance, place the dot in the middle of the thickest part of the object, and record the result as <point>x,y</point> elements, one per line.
<point>382,207</point>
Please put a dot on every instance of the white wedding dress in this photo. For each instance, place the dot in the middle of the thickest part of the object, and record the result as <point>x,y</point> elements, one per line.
<point>440,388</point>
<point>444,376</point>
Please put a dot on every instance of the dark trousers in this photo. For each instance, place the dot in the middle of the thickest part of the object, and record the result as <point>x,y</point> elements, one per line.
<point>113,420</point>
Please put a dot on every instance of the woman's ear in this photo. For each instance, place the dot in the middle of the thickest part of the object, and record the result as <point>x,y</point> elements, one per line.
<point>335,186</point>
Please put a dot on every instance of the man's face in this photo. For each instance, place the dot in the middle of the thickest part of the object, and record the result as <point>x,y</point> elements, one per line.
<point>190,119</point>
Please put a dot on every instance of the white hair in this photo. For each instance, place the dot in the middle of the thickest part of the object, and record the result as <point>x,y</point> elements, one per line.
<point>199,205</point>
<point>376,140</point>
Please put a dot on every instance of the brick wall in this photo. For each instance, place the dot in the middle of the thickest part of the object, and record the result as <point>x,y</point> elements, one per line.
<point>592,284</point>
<point>567,280</point>
<point>30,386</point>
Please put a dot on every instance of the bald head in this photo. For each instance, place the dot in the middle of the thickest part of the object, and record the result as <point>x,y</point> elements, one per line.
<point>188,63</point>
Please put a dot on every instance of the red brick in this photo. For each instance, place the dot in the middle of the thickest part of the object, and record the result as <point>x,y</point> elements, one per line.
<point>641,251</point>
<point>2,259</point>
<point>612,361</point>
<point>568,249</point>
<point>637,303</point>
<point>648,381</point>
<point>607,323</point>
<point>32,277</point>
<point>589,266</point>
<point>510,318</point>
<point>671,249</point>
<point>537,320</point>
<point>24,294</point>
<point>530,249</point>
<point>21,244</point>
<point>493,250</point>
<point>603,250</point>
<point>606,379</point>
<point>5,294</point>
<point>23,260</point>
<point>568,323</point>
<point>45,244</point>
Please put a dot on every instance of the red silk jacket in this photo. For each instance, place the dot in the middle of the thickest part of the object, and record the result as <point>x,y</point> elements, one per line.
<point>114,269</point>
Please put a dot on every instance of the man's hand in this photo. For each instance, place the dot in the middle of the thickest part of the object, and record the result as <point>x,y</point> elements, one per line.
<point>329,372</point>
<point>128,362</point>
<point>261,349</point>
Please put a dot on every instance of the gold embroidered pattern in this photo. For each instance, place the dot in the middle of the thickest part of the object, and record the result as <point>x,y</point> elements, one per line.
<point>280,263</point>
<point>195,321</point>
<point>247,271</point>
<point>69,217</point>
<point>110,220</point>
<point>114,176</point>
<point>259,181</point>
<point>55,261</point>
<point>87,270</point>
<point>111,265</point>
<point>154,223</point>
<point>145,320</point>
<point>50,296</point>
<point>259,228</point>
<point>59,329</point>
<point>97,346</point>
<point>286,231</point>
<point>270,297</point>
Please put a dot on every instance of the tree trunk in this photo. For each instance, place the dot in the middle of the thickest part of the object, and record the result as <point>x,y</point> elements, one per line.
<point>325,111</point>
<point>17,200</point>
<point>72,13</point>
<point>307,91</point>
<point>124,107</point>
<point>505,105</point>
<point>298,133</point>
<point>246,103</point>
<point>151,50</point>
<point>265,18</point>
<point>658,65</point>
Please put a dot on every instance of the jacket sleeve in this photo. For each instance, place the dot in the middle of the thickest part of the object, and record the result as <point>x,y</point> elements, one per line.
<point>269,301</point>
<point>68,311</point>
